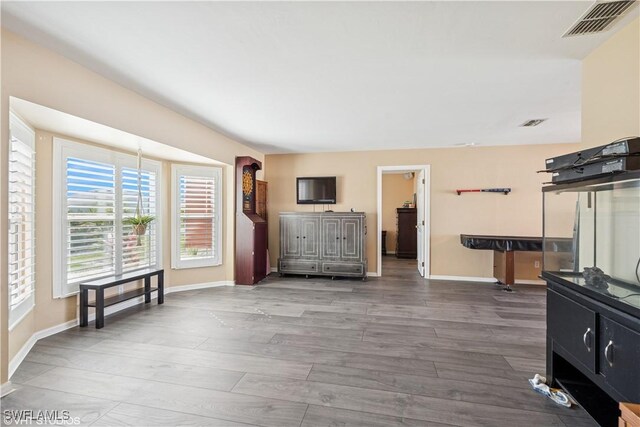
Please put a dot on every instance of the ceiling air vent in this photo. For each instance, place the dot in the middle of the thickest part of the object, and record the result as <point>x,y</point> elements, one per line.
<point>599,17</point>
<point>532,123</point>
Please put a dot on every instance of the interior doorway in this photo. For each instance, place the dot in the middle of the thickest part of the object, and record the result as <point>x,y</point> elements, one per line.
<point>414,209</point>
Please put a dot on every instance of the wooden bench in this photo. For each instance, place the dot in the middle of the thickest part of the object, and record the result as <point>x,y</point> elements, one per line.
<point>99,285</point>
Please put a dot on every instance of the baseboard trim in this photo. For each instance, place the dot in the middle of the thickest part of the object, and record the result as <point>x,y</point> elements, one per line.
<point>274,269</point>
<point>530,282</point>
<point>21,354</point>
<point>197,286</point>
<point>484,279</point>
<point>463,278</point>
<point>26,348</point>
<point>6,388</point>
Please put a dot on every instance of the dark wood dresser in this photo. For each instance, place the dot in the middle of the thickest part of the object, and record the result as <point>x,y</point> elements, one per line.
<point>407,235</point>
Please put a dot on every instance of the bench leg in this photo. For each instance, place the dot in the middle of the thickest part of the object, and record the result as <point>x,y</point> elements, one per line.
<point>84,308</point>
<point>161,288</point>
<point>147,289</point>
<point>99,308</point>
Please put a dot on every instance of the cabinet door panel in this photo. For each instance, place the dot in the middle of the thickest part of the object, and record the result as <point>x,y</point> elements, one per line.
<point>621,362</point>
<point>331,238</point>
<point>290,236</point>
<point>351,238</point>
<point>310,242</point>
<point>572,326</point>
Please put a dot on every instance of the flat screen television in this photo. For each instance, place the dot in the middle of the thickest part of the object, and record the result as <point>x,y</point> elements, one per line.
<point>320,190</point>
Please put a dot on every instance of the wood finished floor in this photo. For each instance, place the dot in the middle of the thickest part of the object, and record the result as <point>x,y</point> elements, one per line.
<point>392,351</point>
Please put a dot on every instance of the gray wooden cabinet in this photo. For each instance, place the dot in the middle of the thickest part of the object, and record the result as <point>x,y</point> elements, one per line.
<point>328,243</point>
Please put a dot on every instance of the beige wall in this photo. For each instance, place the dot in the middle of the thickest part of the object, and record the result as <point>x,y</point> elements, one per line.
<point>519,213</point>
<point>611,88</point>
<point>611,110</point>
<point>38,75</point>
<point>395,191</point>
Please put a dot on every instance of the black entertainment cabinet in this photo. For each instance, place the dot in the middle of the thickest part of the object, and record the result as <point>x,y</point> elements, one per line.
<point>593,323</point>
<point>593,350</point>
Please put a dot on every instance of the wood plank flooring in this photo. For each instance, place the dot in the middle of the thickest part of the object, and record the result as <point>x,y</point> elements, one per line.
<point>392,351</point>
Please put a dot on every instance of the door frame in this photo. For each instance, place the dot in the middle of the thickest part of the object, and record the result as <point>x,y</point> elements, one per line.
<point>427,215</point>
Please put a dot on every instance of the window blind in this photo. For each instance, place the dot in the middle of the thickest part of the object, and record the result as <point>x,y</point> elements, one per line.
<point>21,206</point>
<point>197,216</point>
<point>197,213</point>
<point>90,231</point>
<point>94,190</point>
<point>138,251</point>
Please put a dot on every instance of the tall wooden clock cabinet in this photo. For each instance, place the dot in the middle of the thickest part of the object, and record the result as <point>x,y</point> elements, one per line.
<point>251,229</point>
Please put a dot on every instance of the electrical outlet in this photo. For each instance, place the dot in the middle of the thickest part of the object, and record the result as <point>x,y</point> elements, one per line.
<point>536,264</point>
<point>120,289</point>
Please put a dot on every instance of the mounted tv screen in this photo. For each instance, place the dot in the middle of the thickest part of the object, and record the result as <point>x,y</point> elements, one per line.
<point>316,190</point>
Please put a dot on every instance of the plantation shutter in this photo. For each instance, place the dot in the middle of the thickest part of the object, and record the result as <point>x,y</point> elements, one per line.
<point>90,215</point>
<point>197,217</point>
<point>197,212</point>
<point>98,189</point>
<point>21,205</point>
<point>138,251</point>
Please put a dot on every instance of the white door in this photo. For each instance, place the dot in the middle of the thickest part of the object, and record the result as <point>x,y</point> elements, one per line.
<point>420,226</point>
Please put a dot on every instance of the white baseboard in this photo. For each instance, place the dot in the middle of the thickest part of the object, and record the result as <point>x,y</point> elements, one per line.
<point>530,282</point>
<point>6,388</point>
<point>172,289</point>
<point>22,353</point>
<point>26,348</point>
<point>463,278</point>
<point>484,279</point>
<point>274,269</point>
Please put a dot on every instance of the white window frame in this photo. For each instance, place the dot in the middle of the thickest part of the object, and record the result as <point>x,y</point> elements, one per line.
<point>214,172</point>
<point>62,149</point>
<point>25,134</point>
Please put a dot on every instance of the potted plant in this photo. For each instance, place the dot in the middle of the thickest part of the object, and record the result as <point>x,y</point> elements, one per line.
<point>139,223</point>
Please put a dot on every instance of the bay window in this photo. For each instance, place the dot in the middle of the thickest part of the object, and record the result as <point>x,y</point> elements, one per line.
<point>95,189</point>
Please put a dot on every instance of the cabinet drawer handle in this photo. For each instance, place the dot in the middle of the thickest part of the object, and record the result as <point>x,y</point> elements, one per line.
<point>344,238</point>
<point>608,353</point>
<point>585,337</point>
<point>337,238</point>
<point>304,237</point>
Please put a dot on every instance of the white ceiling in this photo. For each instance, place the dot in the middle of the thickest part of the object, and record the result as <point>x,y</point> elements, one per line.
<point>335,76</point>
